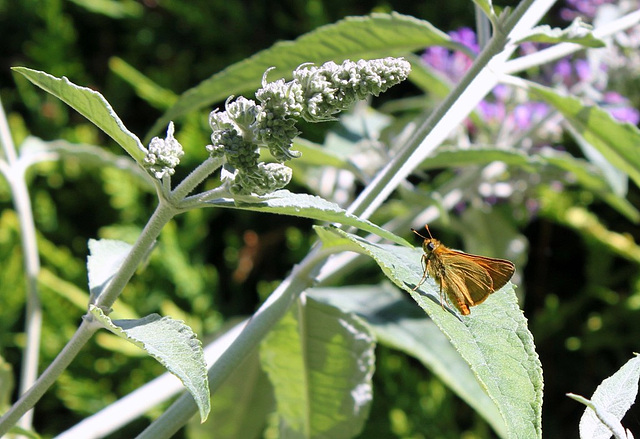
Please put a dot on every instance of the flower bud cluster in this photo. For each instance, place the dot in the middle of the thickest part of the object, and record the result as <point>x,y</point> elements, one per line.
<point>163,155</point>
<point>315,94</point>
<point>332,88</point>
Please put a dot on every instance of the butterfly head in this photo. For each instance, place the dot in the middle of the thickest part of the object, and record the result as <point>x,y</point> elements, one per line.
<point>430,244</point>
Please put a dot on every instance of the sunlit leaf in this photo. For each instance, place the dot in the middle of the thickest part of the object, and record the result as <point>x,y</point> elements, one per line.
<point>494,339</point>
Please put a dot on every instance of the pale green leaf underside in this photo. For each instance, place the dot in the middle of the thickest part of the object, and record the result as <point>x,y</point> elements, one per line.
<point>494,339</point>
<point>578,33</point>
<point>616,141</point>
<point>173,344</point>
<point>614,396</point>
<point>91,105</point>
<point>320,362</point>
<point>369,37</point>
<point>401,325</point>
<point>284,202</point>
<point>105,259</point>
<point>34,150</point>
<point>609,423</point>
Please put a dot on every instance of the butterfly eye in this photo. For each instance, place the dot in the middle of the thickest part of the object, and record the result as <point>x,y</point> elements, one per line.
<point>430,246</point>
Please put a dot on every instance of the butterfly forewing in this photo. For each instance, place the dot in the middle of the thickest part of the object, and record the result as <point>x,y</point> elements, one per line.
<point>500,270</point>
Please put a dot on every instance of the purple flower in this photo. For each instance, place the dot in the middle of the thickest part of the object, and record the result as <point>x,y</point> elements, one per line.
<point>453,64</point>
<point>583,70</point>
<point>618,106</point>
<point>466,37</point>
<point>625,114</point>
<point>562,71</point>
<point>492,111</point>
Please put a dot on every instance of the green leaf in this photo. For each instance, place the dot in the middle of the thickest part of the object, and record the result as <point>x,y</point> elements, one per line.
<point>578,33</point>
<point>240,405</point>
<point>369,37</point>
<point>317,155</point>
<point>113,9</point>
<point>145,88</point>
<point>6,385</point>
<point>616,141</point>
<point>105,259</point>
<point>592,179</point>
<point>399,324</point>
<point>493,339</point>
<point>34,150</point>
<point>453,156</point>
<point>91,105</point>
<point>612,399</point>
<point>585,174</point>
<point>173,344</point>
<point>307,206</point>
<point>320,362</point>
<point>487,8</point>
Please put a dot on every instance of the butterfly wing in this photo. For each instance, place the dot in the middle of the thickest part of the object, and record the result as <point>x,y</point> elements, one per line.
<point>500,270</point>
<point>470,278</point>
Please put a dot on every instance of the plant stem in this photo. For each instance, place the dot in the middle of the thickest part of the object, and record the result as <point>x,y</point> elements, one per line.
<point>162,215</point>
<point>22,203</point>
<point>48,377</point>
<point>166,210</point>
<point>196,177</point>
<point>258,326</point>
<point>475,84</point>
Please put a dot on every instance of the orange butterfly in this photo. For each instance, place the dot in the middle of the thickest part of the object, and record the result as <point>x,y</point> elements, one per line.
<point>466,279</point>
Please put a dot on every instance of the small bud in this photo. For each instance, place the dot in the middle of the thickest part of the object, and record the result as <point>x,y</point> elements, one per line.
<point>243,112</point>
<point>264,179</point>
<point>163,154</point>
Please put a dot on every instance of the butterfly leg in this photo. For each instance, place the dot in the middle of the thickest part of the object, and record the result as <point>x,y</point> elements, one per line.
<point>424,263</point>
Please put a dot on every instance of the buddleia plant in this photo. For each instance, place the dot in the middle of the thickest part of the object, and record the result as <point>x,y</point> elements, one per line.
<point>239,132</point>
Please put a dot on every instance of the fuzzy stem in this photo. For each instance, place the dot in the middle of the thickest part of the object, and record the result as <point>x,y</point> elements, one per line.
<point>165,211</point>
<point>48,377</point>
<point>33,325</point>
<point>258,326</point>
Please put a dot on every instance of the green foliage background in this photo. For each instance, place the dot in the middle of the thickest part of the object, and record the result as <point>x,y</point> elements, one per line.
<point>580,293</point>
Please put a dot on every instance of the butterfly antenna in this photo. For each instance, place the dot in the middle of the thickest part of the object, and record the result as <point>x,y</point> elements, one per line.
<point>417,233</point>
<point>426,226</point>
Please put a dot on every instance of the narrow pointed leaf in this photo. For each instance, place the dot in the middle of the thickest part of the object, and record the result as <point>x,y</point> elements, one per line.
<point>284,202</point>
<point>578,33</point>
<point>91,105</point>
<point>374,36</point>
<point>494,339</point>
<point>613,398</point>
<point>173,344</point>
<point>320,362</point>
<point>616,141</point>
<point>34,150</point>
<point>586,174</point>
<point>401,325</point>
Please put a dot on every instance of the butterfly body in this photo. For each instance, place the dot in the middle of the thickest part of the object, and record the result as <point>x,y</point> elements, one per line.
<point>466,280</point>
